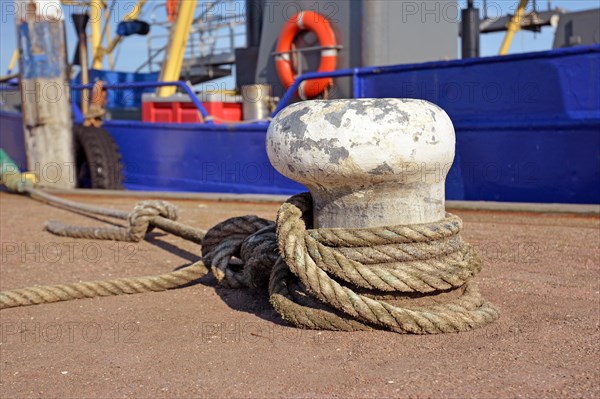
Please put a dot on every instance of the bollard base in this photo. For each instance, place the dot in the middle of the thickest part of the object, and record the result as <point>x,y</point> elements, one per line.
<point>384,204</point>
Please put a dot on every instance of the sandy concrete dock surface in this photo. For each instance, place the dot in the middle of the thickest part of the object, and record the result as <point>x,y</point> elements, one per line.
<point>541,270</point>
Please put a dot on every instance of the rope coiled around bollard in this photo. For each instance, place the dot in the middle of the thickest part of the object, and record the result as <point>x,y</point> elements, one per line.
<point>408,279</point>
<point>338,278</point>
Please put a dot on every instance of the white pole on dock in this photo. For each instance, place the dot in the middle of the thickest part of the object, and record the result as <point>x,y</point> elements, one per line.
<point>45,95</point>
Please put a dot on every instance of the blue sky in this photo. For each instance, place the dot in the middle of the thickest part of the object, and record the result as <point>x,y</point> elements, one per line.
<point>133,50</point>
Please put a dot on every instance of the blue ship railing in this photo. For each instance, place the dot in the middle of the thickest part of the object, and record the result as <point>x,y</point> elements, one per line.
<point>354,72</point>
<point>147,85</point>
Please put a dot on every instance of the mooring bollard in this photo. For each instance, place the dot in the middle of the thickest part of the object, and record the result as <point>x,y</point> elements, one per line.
<point>376,170</point>
<point>366,162</point>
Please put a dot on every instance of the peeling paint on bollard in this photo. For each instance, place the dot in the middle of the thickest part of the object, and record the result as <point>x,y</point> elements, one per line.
<point>367,162</point>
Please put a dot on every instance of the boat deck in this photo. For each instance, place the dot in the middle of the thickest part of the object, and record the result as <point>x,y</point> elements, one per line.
<point>541,270</point>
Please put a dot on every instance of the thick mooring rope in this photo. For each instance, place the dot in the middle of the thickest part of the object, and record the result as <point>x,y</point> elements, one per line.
<point>408,279</point>
<point>92,289</point>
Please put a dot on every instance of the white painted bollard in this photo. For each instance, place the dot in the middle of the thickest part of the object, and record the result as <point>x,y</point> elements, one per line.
<point>366,162</point>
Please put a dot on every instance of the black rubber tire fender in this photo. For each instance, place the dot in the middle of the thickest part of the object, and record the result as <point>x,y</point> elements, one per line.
<point>98,159</point>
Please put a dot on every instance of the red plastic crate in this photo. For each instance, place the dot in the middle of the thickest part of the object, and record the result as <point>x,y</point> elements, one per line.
<point>186,112</point>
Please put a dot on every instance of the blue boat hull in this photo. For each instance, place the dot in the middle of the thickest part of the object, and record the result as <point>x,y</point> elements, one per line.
<point>198,157</point>
<point>527,128</point>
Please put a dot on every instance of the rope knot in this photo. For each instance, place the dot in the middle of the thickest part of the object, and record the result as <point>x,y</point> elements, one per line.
<point>138,219</point>
<point>143,212</point>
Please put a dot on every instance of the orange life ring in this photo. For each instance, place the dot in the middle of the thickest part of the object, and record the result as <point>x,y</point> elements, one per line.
<point>315,22</point>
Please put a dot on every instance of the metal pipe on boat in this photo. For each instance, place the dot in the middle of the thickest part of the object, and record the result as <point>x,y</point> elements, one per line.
<point>80,21</point>
<point>256,100</point>
<point>254,20</point>
<point>470,31</point>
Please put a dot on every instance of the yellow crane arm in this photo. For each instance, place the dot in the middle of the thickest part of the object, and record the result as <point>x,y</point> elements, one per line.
<point>513,26</point>
<point>99,51</point>
<point>96,23</point>
<point>13,61</point>
<point>171,67</point>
